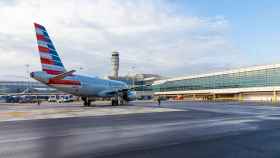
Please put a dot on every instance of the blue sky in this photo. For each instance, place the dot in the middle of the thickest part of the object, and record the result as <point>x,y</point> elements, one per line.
<point>254,25</point>
<point>166,37</point>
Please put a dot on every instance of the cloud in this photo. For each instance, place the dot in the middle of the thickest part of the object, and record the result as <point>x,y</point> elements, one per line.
<point>154,36</point>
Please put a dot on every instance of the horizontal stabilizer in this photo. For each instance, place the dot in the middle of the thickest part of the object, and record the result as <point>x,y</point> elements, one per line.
<point>63,75</point>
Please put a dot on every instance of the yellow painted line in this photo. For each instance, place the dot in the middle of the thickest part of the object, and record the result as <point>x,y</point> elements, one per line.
<point>15,114</point>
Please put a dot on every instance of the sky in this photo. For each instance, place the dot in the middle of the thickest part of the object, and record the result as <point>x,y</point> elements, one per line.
<point>165,37</point>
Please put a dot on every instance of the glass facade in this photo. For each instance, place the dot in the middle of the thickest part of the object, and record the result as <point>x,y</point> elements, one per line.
<point>18,86</point>
<point>139,85</point>
<point>242,79</point>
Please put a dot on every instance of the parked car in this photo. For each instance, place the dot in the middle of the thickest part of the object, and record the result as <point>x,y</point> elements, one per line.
<point>65,98</point>
<point>43,97</point>
<point>2,99</point>
<point>52,98</point>
<point>12,99</point>
<point>28,99</point>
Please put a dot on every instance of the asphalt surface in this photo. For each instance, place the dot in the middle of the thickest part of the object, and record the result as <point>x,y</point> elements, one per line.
<point>226,130</point>
<point>17,112</point>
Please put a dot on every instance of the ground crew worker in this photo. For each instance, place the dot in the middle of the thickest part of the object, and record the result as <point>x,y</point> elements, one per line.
<point>158,99</point>
<point>38,101</point>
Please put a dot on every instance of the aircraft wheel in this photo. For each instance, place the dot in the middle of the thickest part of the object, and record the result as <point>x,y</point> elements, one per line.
<point>88,102</point>
<point>120,100</point>
<point>115,102</point>
<point>85,103</point>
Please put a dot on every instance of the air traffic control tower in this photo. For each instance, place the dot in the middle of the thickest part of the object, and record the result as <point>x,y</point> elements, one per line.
<point>115,65</point>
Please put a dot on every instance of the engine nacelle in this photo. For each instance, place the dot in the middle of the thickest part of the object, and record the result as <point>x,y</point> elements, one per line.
<point>131,95</point>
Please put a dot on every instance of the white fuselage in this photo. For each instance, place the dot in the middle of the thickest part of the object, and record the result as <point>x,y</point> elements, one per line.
<point>82,85</point>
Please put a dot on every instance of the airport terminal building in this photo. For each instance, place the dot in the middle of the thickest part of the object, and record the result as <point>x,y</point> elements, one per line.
<point>139,81</point>
<point>7,87</point>
<point>260,83</point>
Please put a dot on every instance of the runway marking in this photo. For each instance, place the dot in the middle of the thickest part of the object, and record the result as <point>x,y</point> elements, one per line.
<point>17,114</point>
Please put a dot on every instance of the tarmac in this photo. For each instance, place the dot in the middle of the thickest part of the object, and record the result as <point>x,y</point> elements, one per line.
<point>17,112</point>
<point>142,129</point>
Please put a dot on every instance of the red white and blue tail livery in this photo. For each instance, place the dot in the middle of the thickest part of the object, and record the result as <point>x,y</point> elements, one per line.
<point>55,75</point>
<point>50,60</point>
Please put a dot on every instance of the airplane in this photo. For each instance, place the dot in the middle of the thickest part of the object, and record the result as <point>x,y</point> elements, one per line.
<point>56,76</point>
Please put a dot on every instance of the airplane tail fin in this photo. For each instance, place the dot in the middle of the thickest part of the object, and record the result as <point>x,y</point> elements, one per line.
<point>50,60</point>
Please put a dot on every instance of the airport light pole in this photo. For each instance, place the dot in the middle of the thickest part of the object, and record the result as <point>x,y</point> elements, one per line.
<point>28,77</point>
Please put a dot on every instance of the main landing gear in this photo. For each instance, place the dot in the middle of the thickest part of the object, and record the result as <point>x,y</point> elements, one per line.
<point>87,102</point>
<point>119,99</point>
